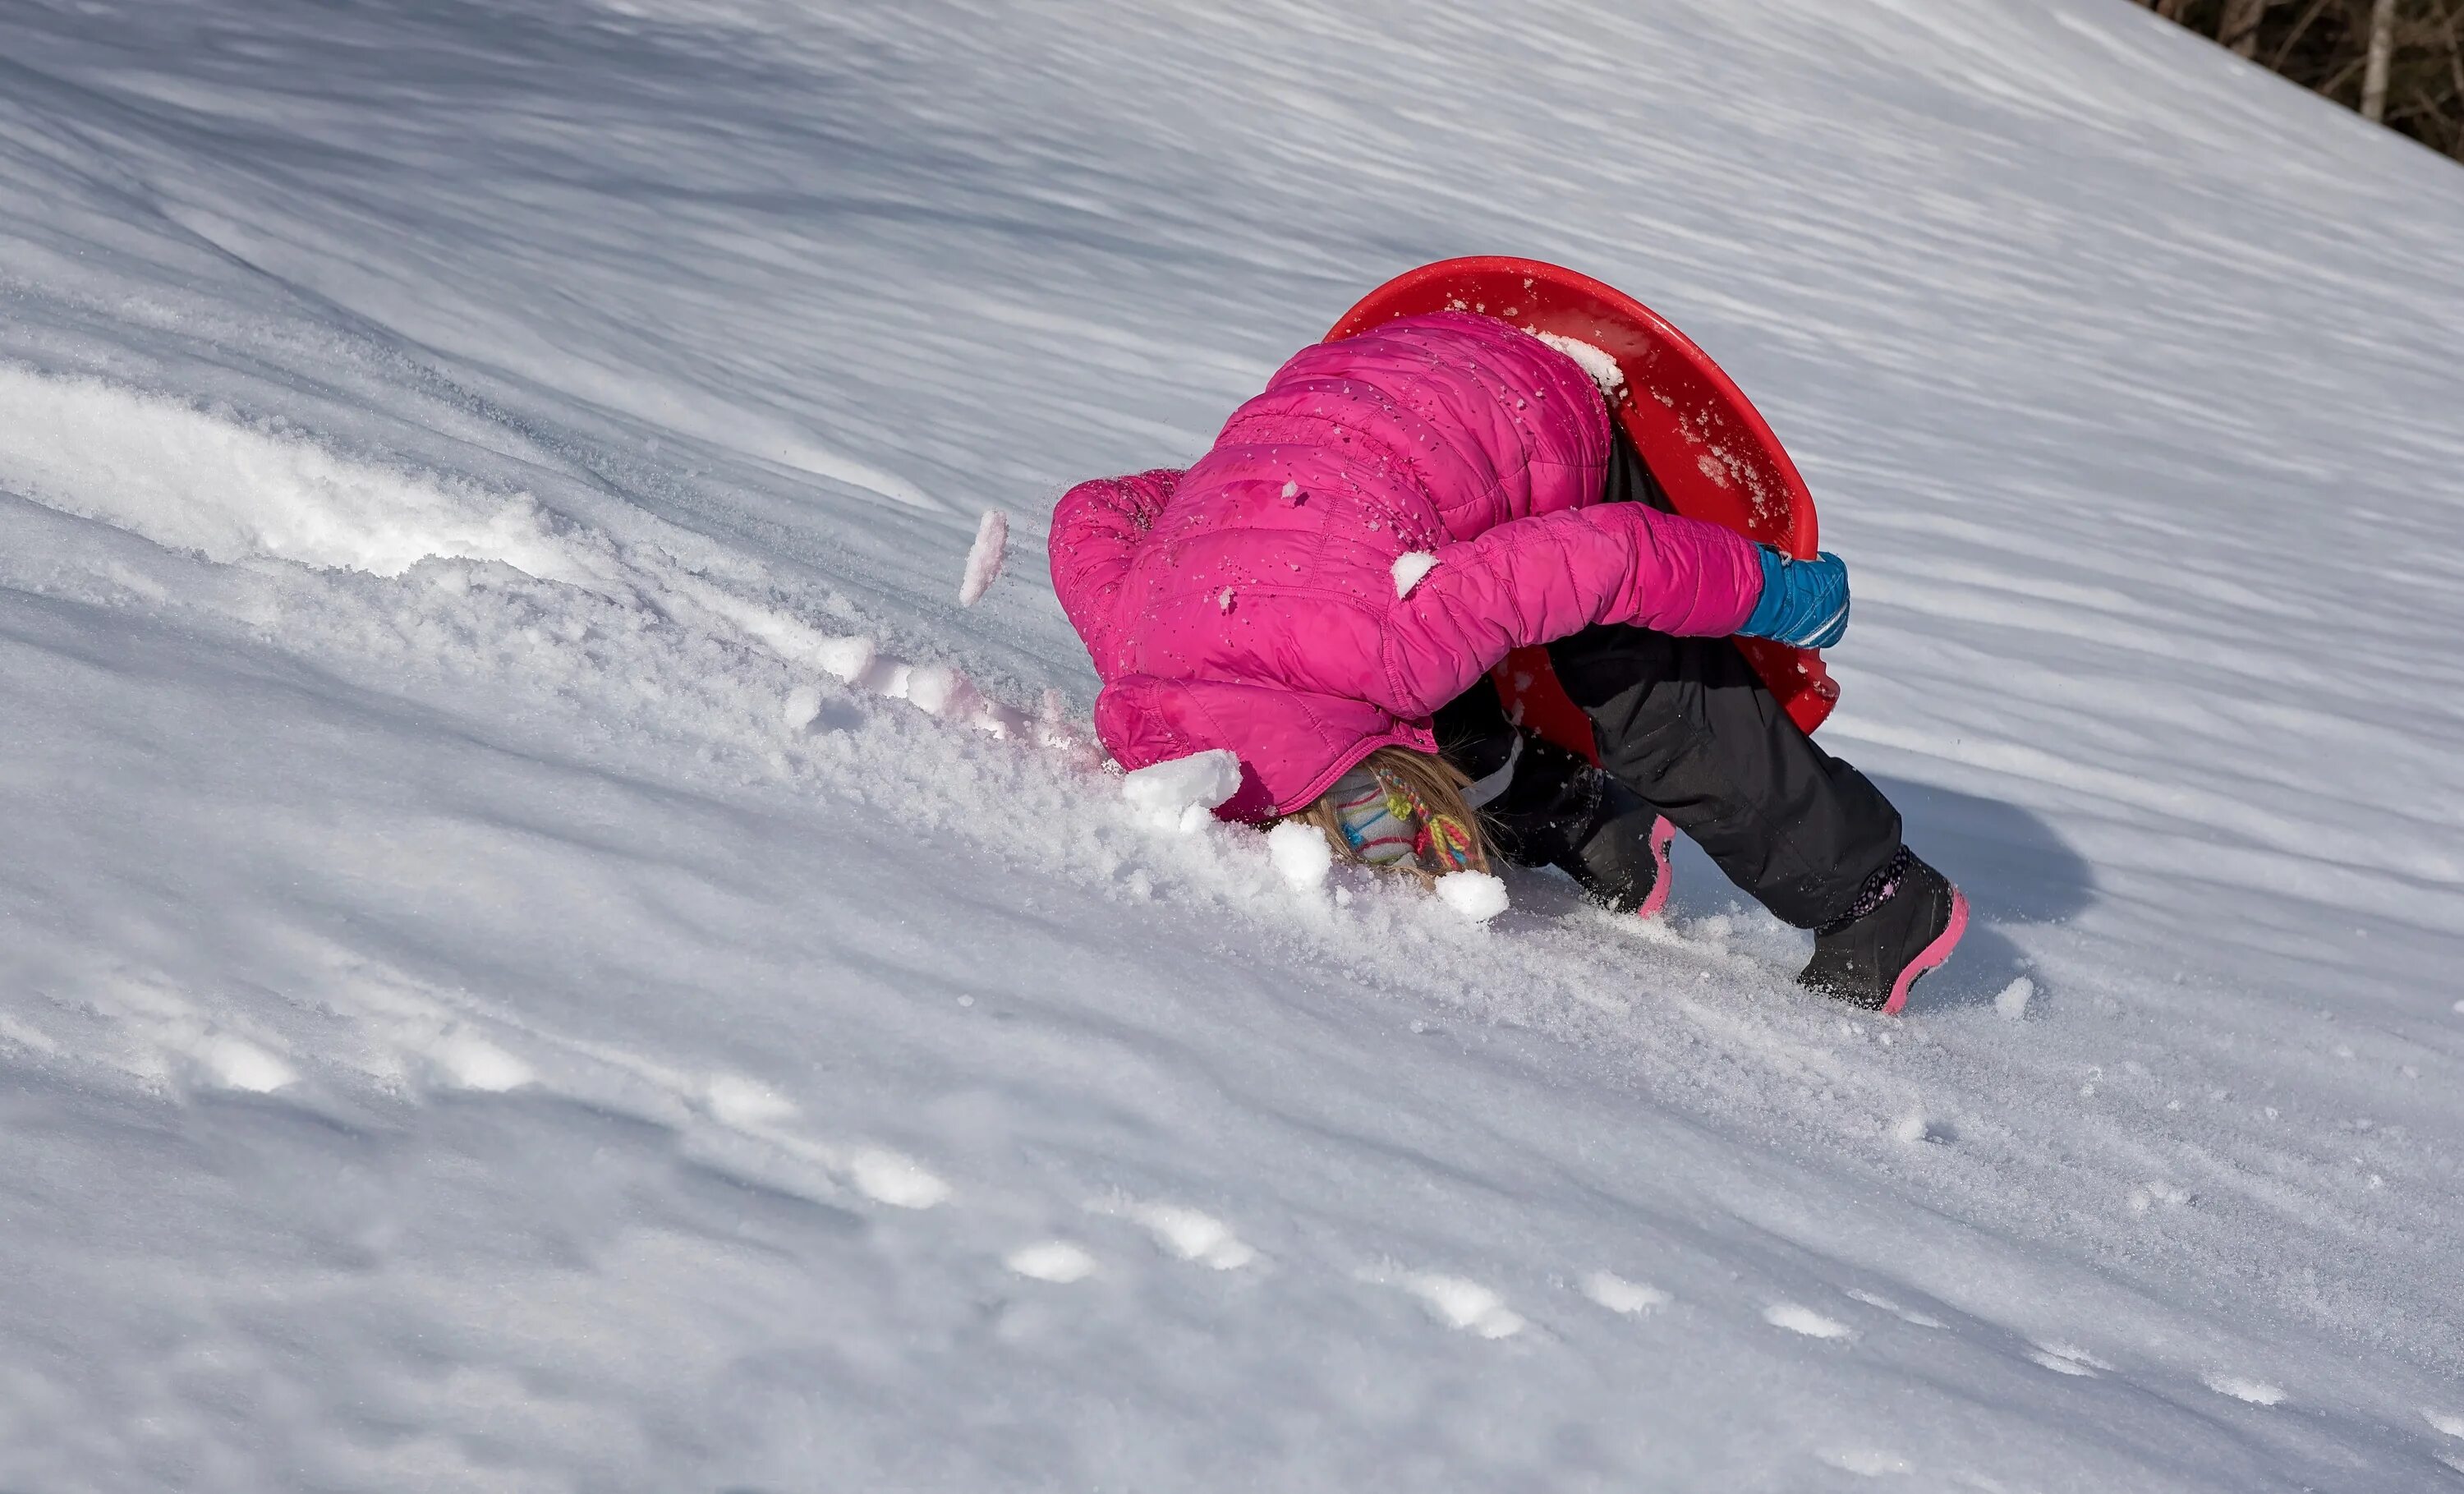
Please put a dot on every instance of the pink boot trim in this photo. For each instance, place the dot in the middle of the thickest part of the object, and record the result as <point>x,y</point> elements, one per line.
<point>1663,836</point>
<point>1932,954</point>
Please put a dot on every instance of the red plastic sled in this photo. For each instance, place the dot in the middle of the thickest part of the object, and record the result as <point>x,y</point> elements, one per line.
<point>1702,440</point>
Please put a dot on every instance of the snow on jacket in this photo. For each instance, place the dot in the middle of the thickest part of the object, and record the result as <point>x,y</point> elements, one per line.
<point>1255,602</point>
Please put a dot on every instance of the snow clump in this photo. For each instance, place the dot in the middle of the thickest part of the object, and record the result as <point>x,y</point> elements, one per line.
<point>1301,853</point>
<point>1475,894</point>
<point>1179,794</point>
<point>984,557</point>
<point>2259,1393</point>
<point>1409,567</point>
<point>2011,1002</point>
<point>1602,367</point>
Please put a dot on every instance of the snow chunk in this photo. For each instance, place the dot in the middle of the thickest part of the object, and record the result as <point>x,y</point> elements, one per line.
<point>2259,1393</point>
<point>848,658</point>
<point>1797,1318</point>
<point>801,708</point>
<point>2453,1426</point>
<point>1177,793</point>
<point>1409,567</point>
<point>984,557</point>
<point>940,692</point>
<point>1917,1126</point>
<point>1475,894</point>
<point>1055,1261</point>
<point>1620,1295</point>
<point>1602,367</point>
<point>1301,853</point>
<point>2011,1002</point>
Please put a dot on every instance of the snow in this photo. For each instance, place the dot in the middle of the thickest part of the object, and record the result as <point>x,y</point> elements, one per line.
<point>1475,894</point>
<point>1601,364</point>
<point>1620,1295</point>
<point>2259,1393</point>
<point>1797,1318</point>
<point>1056,1261</point>
<point>1177,794</point>
<point>1409,567</point>
<point>1301,853</point>
<point>1466,1305</point>
<point>2012,1000</point>
<point>543,949</point>
<point>984,557</point>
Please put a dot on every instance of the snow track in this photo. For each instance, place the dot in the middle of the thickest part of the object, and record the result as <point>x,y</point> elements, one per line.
<point>538,948</point>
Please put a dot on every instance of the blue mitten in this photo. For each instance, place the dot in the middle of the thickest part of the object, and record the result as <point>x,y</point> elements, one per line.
<point>1804,603</point>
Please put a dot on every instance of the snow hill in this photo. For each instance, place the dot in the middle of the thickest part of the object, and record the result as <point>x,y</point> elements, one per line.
<point>541,949</point>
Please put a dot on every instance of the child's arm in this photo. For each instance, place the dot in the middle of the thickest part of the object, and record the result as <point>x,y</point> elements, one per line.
<point>1535,580</point>
<point>1096,530</point>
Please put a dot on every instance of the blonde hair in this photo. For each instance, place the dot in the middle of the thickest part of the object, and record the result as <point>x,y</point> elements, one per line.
<point>1424,778</point>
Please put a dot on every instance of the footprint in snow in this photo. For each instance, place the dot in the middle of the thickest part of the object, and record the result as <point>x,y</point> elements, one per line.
<point>1458,1302</point>
<point>1055,1261</point>
<point>1185,1233</point>
<point>1867,1462</point>
<point>237,1064</point>
<point>1797,1318</point>
<point>1621,1296</point>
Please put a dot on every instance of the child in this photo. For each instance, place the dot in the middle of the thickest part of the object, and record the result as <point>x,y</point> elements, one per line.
<point>1325,592</point>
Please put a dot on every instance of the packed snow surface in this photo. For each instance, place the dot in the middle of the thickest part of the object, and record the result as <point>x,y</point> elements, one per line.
<point>539,949</point>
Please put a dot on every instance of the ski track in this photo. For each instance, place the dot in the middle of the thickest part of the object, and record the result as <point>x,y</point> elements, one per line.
<point>543,949</point>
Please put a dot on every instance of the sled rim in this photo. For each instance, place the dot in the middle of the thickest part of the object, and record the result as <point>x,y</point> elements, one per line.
<point>1717,458</point>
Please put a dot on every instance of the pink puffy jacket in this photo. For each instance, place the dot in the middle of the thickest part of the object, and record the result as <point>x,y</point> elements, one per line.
<point>1252,601</point>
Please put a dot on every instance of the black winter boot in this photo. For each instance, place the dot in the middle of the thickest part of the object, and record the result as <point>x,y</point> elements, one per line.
<point>1906,922</point>
<point>1621,859</point>
<point>1560,811</point>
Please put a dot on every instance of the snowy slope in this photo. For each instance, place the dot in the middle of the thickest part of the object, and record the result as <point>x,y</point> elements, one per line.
<point>541,949</point>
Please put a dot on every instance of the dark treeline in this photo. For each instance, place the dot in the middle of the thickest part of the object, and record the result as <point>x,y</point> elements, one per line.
<point>2397,61</point>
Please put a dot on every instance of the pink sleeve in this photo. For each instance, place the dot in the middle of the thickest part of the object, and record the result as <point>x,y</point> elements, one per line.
<point>1535,580</point>
<point>1096,530</point>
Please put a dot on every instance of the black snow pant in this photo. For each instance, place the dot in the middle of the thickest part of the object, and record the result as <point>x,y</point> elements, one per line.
<point>1689,728</point>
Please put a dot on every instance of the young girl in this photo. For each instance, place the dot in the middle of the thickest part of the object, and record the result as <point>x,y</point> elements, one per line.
<point>1325,592</point>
